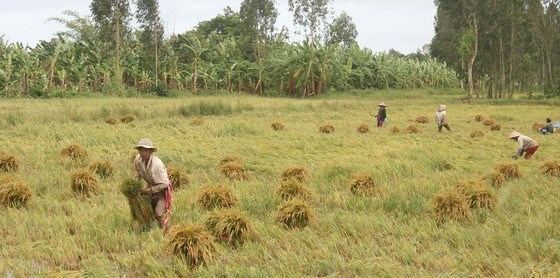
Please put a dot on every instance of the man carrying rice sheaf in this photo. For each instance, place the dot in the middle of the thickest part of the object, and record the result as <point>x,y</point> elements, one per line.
<point>526,145</point>
<point>152,170</point>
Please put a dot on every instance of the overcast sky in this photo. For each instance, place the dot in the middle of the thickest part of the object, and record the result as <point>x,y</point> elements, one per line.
<point>403,25</point>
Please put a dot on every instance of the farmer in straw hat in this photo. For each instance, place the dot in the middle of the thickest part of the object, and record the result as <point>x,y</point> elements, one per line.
<point>381,116</point>
<point>441,118</point>
<point>526,145</point>
<point>151,169</point>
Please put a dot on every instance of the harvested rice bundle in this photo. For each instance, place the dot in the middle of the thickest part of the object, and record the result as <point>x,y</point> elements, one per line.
<point>477,134</point>
<point>230,225</point>
<point>8,162</point>
<point>216,196</point>
<point>74,151</point>
<point>478,118</point>
<point>488,122</point>
<point>551,168</point>
<point>510,171</point>
<point>229,159</point>
<point>495,127</point>
<point>451,206</point>
<point>422,120</point>
<point>104,168</point>
<point>394,130</point>
<point>326,128</point>
<point>476,193</point>
<point>128,119</point>
<point>298,173</point>
<point>294,214</point>
<point>291,189</point>
<point>196,122</point>
<point>497,178</point>
<point>363,128</point>
<point>412,129</point>
<point>537,127</point>
<point>192,243</point>
<point>140,207</point>
<point>14,192</point>
<point>178,177</point>
<point>233,171</point>
<point>84,183</point>
<point>111,120</point>
<point>363,184</point>
<point>277,126</point>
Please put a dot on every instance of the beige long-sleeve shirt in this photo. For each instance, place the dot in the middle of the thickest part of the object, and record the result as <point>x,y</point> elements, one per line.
<point>525,143</point>
<point>154,173</point>
<point>441,117</point>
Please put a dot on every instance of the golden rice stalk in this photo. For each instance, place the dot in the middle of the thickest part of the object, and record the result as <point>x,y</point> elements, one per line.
<point>464,186</point>
<point>326,128</point>
<point>229,159</point>
<point>104,168</point>
<point>293,189</point>
<point>192,243</point>
<point>140,207</point>
<point>477,134</point>
<point>481,197</point>
<point>496,127</point>
<point>84,183</point>
<point>510,171</point>
<point>363,184</point>
<point>394,130</point>
<point>412,129</point>
<point>230,225</point>
<point>216,196</point>
<point>128,119</point>
<point>14,192</point>
<point>277,126</point>
<point>451,206</point>
<point>422,120</point>
<point>479,118</point>
<point>488,122</point>
<point>298,173</point>
<point>551,168</point>
<point>233,171</point>
<point>294,214</point>
<point>497,178</point>
<point>537,127</point>
<point>178,177</point>
<point>196,122</point>
<point>74,151</point>
<point>111,120</point>
<point>8,162</point>
<point>363,128</point>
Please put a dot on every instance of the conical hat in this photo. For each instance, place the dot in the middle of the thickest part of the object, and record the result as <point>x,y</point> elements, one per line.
<point>441,107</point>
<point>514,134</point>
<point>382,104</point>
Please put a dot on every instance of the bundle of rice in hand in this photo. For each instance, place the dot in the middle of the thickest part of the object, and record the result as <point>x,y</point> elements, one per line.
<point>140,207</point>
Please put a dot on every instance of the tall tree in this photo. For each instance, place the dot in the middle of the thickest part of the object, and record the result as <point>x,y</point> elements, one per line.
<point>258,18</point>
<point>311,15</point>
<point>151,33</point>
<point>342,31</point>
<point>112,18</point>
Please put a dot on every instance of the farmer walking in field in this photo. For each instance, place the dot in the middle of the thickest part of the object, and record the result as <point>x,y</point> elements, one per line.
<point>441,118</point>
<point>381,116</point>
<point>152,170</point>
<point>526,145</point>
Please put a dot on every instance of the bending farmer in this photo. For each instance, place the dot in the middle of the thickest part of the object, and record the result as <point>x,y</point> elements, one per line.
<point>526,145</point>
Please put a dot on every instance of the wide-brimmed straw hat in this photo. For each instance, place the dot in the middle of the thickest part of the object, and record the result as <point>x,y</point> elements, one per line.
<point>441,107</point>
<point>382,104</point>
<point>514,134</point>
<point>146,143</point>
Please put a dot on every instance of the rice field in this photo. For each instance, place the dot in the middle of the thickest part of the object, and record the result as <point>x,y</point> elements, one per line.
<point>403,227</point>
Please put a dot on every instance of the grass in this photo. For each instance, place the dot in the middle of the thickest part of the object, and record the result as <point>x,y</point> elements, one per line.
<point>394,234</point>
